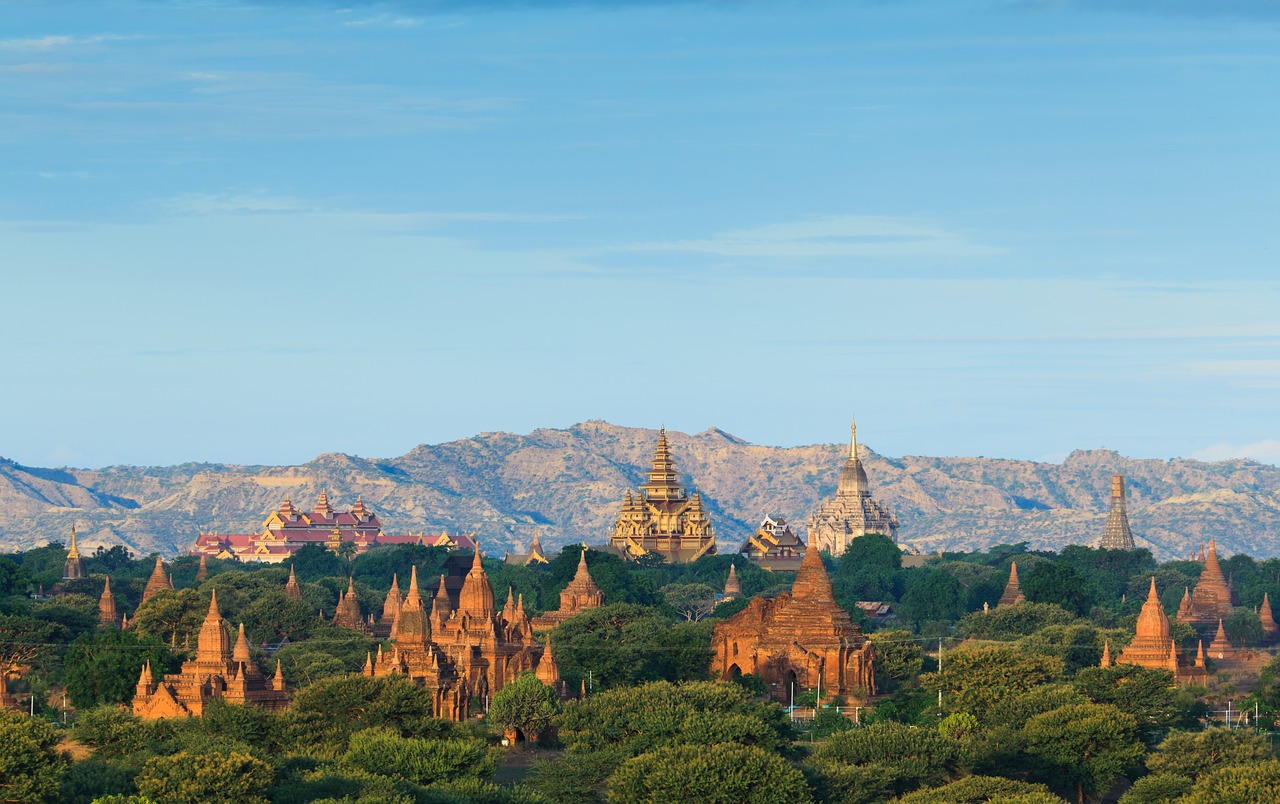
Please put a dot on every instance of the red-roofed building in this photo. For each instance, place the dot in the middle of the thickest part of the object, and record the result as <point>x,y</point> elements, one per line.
<point>288,529</point>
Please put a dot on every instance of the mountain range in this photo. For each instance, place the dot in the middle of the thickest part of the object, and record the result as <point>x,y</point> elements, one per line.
<point>567,484</point>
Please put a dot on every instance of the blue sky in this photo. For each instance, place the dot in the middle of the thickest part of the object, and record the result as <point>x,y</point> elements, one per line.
<point>255,233</point>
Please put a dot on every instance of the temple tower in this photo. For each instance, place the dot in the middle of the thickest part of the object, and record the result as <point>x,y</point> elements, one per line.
<point>1012,590</point>
<point>1153,645</point>
<point>1117,536</point>
<point>291,587</point>
<point>158,581</point>
<point>1211,598</point>
<point>1269,627</point>
<point>107,606</point>
<point>202,572</point>
<point>663,519</point>
<point>732,589</point>
<point>853,512</point>
<point>74,568</point>
<point>580,595</point>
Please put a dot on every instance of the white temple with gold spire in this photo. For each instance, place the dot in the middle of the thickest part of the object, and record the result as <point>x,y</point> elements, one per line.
<point>853,512</point>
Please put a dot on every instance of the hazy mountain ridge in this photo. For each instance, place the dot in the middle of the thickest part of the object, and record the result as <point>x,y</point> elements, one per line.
<point>567,483</point>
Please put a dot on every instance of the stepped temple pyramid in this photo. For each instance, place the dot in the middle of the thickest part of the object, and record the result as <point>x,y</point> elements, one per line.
<point>852,512</point>
<point>218,671</point>
<point>662,519</point>
<point>580,595</point>
<point>1212,599</point>
<point>800,637</point>
<point>462,654</point>
<point>1117,536</point>
<point>1153,645</point>
<point>288,529</point>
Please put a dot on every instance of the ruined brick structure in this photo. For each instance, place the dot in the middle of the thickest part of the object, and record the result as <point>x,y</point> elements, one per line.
<point>1116,535</point>
<point>801,637</point>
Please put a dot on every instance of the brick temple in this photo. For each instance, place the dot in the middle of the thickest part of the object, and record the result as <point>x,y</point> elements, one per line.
<point>800,637</point>
<point>1211,599</point>
<point>1153,645</point>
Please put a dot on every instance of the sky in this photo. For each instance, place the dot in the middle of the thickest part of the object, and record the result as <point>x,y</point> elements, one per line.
<point>254,233</point>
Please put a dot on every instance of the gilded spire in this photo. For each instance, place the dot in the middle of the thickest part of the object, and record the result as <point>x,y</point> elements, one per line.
<point>74,566</point>
<point>74,552</point>
<point>853,439</point>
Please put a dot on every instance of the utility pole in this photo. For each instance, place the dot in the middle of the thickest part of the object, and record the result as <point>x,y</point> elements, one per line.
<point>939,675</point>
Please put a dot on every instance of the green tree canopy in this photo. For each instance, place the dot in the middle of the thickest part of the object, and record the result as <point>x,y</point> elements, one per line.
<point>1061,583</point>
<point>974,679</point>
<point>1195,754</point>
<point>384,752</point>
<point>898,757</point>
<point>983,789</point>
<point>1084,747</point>
<point>198,777</point>
<point>717,774</point>
<point>103,668</point>
<point>525,705</point>
<point>30,766</point>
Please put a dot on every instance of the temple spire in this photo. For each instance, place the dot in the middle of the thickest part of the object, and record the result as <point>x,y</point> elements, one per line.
<point>812,581</point>
<point>1013,589</point>
<point>241,652</point>
<point>1106,653</point>
<point>853,439</point>
<point>1117,535</point>
<point>74,567</point>
<point>107,605</point>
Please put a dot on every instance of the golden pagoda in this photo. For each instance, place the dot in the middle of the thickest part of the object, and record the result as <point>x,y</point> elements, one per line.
<point>662,519</point>
<point>74,568</point>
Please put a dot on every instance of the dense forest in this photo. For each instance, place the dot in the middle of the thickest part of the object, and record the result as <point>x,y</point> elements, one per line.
<point>1006,704</point>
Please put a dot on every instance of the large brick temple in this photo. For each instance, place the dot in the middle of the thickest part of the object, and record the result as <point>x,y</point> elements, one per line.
<point>801,637</point>
<point>1153,645</point>
<point>853,512</point>
<point>662,518</point>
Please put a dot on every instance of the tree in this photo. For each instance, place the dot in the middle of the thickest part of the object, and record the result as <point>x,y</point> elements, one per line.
<point>524,706</point>
<point>383,752</point>
<point>1083,746</point>
<point>717,774</point>
<point>1255,783</point>
<point>273,616</point>
<point>197,777</point>
<point>974,679</point>
<point>1157,788</point>
<point>900,757</point>
<point>981,789</point>
<point>172,616</point>
<point>330,710</point>
<point>932,594</point>
<point>1078,645</point>
<point>1151,696</point>
<point>624,645</point>
<point>639,719</point>
<point>1012,622</point>
<point>103,668</point>
<point>1192,755</point>
<point>1244,627</point>
<point>30,767</point>
<point>1059,582</point>
<point>899,658</point>
<point>693,601</point>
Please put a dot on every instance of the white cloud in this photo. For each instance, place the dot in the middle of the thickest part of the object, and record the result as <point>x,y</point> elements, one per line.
<point>52,42</point>
<point>833,236</point>
<point>1265,451</point>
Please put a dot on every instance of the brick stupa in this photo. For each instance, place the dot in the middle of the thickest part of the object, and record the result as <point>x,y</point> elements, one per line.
<point>107,614</point>
<point>1210,600</point>
<point>1012,590</point>
<point>218,671</point>
<point>158,582</point>
<point>1153,645</point>
<point>580,595</point>
<point>801,637</point>
<point>348,613</point>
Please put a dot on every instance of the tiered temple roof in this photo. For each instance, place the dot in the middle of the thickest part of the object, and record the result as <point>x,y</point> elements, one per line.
<point>74,568</point>
<point>1210,600</point>
<point>1012,590</point>
<point>801,637</point>
<point>1153,645</point>
<point>773,546</point>
<point>580,595</point>
<point>159,581</point>
<point>288,529</point>
<point>461,655</point>
<point>1116,535</point>
<point>107,606</point>
<point>218,671</point>
<point>662,519</point>
<point>853,512</point>
<point>534,556</point>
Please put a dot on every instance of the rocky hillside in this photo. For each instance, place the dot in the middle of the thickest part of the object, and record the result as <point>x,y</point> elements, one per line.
<point>567,484</point>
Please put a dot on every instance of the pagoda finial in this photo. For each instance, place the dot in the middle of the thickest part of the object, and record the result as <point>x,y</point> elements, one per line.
<point>853,438</point>
<point>213,604</point>
<point>1106,653</point>
<point>73,552</point>
<point>413,580</point>
<point>241,653</point>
